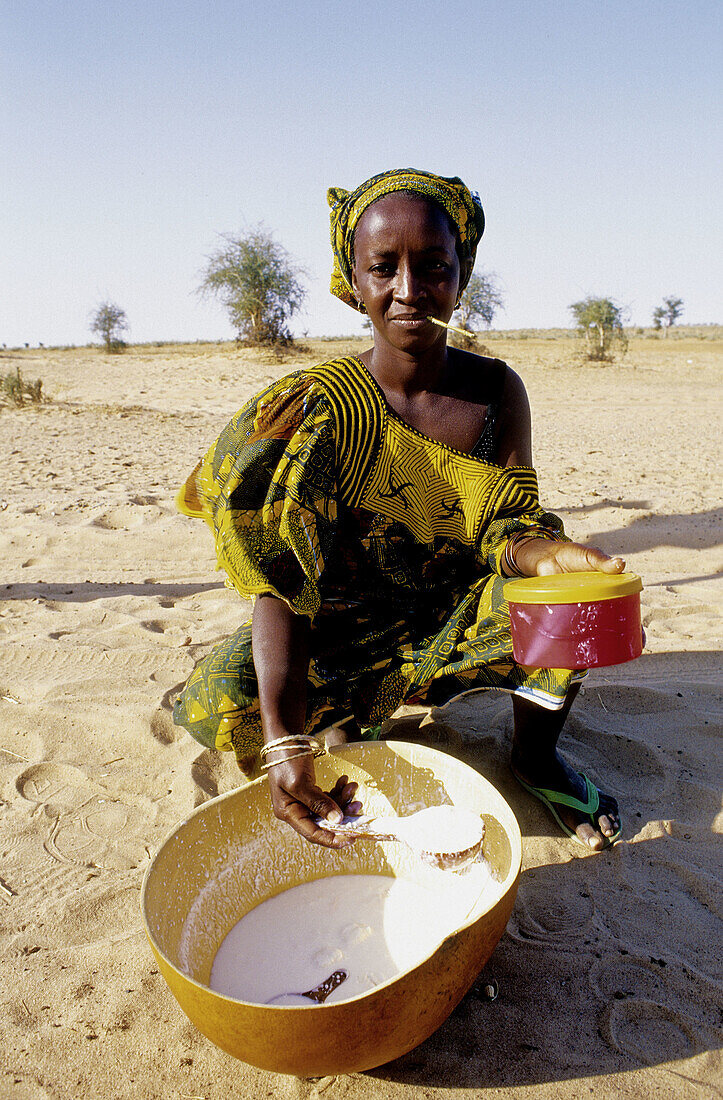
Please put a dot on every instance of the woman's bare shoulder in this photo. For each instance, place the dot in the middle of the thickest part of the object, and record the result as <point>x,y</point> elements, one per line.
<point>513,391</point>
<point>515,423</point>
<point>483,376</point>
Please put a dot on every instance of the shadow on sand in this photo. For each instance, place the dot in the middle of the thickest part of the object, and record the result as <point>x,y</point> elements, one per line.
<point>609,962</point>
<point>83,591</point>
<point>689,530</point>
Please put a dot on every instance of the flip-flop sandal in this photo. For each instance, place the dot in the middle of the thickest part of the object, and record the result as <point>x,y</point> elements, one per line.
<point>549,798</point>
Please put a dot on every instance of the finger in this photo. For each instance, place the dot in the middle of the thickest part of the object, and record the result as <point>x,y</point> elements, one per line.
<point>346,794</point>
<point>613,565</point>
<point>299,819</point>
<point>321,805</point>
<point>602,562</point>
<point>547,567</point>
<point>293,782</point>
<point>341,786</point>
<point>343,794</point>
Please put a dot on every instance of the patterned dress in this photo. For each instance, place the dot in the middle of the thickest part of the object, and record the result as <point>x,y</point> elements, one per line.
<point>390,543</point>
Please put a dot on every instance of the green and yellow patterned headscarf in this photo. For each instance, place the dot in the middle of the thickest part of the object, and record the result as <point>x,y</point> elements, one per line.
<point>347,207</point>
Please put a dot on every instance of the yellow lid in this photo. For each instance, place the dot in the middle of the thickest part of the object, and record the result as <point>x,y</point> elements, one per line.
<point>572,587</point>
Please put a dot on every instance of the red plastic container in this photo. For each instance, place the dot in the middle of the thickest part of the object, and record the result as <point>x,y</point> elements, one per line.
<point>575,620</point>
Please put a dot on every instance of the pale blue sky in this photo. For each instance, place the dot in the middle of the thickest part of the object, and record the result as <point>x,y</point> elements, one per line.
<point>133,133</point>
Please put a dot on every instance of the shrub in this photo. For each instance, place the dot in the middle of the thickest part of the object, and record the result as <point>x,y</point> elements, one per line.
<point>480,301</point>
<point>256,280</point>
<point>666,315</point>
<point>109,321</point>
<point>600,322</point>
<point>16,391</point>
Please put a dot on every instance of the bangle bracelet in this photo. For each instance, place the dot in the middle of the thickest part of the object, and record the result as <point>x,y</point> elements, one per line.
<point>299,740</point>
<point>294,756</point>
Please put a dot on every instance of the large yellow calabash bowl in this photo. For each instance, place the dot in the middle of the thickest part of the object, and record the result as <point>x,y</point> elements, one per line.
<point>231,854</point>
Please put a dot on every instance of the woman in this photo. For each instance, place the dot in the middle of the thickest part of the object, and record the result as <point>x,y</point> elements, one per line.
<point>374,507</point>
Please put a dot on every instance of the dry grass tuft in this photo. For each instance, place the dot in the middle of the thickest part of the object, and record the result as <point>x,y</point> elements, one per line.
<point>14,390</point>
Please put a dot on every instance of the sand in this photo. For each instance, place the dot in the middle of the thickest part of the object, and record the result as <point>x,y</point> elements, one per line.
<point>610,967</point>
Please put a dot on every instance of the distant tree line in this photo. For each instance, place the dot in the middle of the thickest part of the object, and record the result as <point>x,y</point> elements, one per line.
<point>261,288</point>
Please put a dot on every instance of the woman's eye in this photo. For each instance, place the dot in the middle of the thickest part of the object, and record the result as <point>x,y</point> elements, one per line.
<point>381,269</point>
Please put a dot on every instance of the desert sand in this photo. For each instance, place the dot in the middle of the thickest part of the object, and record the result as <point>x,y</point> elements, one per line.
<point>609,971</point>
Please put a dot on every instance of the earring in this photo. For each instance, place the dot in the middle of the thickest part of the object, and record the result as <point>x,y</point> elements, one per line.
<point>360,306</point>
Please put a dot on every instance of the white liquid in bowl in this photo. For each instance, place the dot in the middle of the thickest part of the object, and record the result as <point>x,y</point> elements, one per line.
<point>372,926</point>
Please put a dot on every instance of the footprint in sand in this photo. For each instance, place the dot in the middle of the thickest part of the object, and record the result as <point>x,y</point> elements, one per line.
<point>71,664</point>
<point>619,764</point>
<point>25,1087</point>
<point>654,1012</point>
<point>87,827</point>
<point>540,917</point>
<point>55,788</point>
<point>156,626</point>
<point>661,885</point>
<point>162,725</point>
<point>647,1031</point>
<point>163,729</point>
<point>215,773</point>
<point>643,1017</point>
<point>125,517</point>
<point>595,740</point>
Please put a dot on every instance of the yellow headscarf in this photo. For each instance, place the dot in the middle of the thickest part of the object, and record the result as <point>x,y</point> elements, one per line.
<point>347,207</point>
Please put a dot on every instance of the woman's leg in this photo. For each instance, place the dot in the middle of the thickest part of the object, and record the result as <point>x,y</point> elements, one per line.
<point>536,760</point>
<point>219,705</point>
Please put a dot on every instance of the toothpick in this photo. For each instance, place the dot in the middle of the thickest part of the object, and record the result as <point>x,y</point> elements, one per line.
<point>452,328</point>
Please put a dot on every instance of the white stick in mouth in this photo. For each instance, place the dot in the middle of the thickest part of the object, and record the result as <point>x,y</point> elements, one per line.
<point>452,328</point>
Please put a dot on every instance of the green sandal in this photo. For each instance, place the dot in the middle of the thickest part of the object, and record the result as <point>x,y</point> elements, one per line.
<point>550,798</point>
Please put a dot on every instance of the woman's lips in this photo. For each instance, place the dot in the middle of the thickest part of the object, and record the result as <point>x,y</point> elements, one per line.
<point>410,321</point>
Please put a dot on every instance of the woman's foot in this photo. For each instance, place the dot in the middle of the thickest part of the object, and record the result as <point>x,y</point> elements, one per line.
<point>596,830</point>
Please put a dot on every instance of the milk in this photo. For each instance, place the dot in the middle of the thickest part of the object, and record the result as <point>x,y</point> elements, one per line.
<point>371,926</point>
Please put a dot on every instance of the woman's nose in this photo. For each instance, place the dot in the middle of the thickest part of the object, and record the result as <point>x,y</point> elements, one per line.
<point>407,286</point>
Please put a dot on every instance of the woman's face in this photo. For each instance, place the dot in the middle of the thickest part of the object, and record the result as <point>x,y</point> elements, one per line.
<point>406,268</point>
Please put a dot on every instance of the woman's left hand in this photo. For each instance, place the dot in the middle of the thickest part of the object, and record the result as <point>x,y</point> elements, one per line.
<point>541,558</point>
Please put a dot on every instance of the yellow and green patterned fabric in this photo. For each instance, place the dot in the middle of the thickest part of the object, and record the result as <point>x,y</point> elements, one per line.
<point>455,198</point>
<point>390,542</point>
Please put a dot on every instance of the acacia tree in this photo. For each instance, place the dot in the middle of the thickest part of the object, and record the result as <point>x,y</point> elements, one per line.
<point>666,315</point>
<point>600,321</point>
<point>109,321</point>
<point>257,282</point>
<point>479,302</point>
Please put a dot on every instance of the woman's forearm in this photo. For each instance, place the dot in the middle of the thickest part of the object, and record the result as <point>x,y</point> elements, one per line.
<point>280,641</point>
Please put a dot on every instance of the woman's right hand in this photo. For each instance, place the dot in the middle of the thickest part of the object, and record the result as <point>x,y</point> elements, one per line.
<point>296,796</point>
<point>542,558</point>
